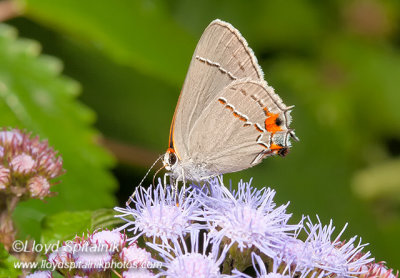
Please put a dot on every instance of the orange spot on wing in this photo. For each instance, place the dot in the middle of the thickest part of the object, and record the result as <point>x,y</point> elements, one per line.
<point>222,101</point>
<point>270,122</point>
<point>275,147</point>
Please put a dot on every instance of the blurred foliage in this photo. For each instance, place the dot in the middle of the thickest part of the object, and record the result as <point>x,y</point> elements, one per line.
<point>7,261</point>
<point>387,175</point>
<point>64,226</point>
<point>107,26</point>
<point>337,61</point>
<point>34,96</point>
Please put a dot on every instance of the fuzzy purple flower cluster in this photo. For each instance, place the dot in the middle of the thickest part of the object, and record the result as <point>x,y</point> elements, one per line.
<point>215,232</point>
<point>97,255</point>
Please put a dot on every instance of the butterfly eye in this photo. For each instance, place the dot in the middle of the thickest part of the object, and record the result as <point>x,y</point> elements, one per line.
<point>172,159</point>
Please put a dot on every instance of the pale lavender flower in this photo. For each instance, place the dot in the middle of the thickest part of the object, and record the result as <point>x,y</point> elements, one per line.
<point>319,251</point>
<point>61,255</point>
<point>247,217</point>
<point>40,274</point>
<point>260,269</point>
<point>200,259</point>
<point>112,240</point>
<point>137,273</point>
<point>86,255</point>
<point>288,271</point>
<point>378,270</point>
<point>157,213</point>
<point>135,255</point>
<point>92,257</point>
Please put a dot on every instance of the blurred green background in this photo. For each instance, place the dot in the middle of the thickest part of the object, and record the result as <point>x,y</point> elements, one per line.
<point>338,61</point>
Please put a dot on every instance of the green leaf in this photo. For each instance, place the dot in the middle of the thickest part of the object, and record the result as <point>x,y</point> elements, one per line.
<point>34,96</point>
<point>142,34</point>
<point>7,268</point>
<point>105,219</point>
<point>66,225</point>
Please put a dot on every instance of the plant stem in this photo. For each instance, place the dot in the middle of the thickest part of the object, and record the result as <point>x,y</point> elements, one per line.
<point>7,228</point>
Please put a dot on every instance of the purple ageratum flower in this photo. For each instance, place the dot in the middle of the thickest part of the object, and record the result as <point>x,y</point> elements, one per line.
<point>135,255</point>
<point>91,257</point>
<point>326,256</point>
<point>200,259</point>
<point>378,270</point>
<point>260,269</point>
<point>137,273</point>
<point>40,274</point>
<point>247,217</point>
<point>89,254</point>
<point>157,213</point>
<point>61,255</point>
<point>277,271</point>
<point>112,240</point>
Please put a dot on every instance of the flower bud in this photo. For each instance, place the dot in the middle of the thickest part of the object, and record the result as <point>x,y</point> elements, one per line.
<point>39,187</point>
<point>22,164</point>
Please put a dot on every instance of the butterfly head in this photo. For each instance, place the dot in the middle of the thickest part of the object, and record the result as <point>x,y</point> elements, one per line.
<point>170,159</point>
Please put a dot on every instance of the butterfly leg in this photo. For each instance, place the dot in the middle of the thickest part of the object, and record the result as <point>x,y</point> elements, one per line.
<point>175,190</point>
<point>165,180</point>
<point>183,180</point>
<point>184,185</point>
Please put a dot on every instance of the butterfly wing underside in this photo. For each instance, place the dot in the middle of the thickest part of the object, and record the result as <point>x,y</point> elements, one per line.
<point>232,134</point>
<point>221,57</point>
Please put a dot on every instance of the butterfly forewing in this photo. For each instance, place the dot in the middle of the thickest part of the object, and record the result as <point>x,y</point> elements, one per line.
<point>221,57</point>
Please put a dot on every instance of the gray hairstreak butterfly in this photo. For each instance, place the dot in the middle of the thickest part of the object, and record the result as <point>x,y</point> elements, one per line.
<point>227,118</point>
